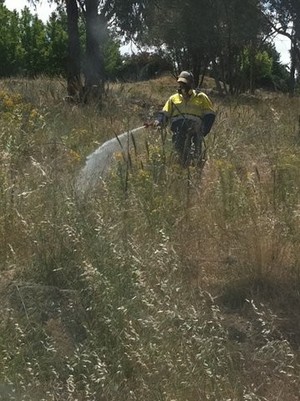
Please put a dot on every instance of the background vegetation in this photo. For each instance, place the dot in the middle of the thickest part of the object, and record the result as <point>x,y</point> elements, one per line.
<point>231,42</point>
<point>161,283</point>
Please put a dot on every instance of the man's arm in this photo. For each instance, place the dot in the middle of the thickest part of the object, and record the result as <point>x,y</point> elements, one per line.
<point>209,115</point>
<point>207,122</point>
<point>163,116</point>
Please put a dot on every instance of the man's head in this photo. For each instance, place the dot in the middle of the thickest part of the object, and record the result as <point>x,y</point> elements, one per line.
<point>186,78</point>
<point>186,82</point>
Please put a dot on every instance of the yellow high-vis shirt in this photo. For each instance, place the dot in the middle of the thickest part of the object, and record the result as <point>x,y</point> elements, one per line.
<point>194,108</point>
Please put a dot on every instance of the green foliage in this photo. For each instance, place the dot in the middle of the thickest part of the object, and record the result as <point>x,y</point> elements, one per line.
<point>196,36</point>
<point>33,42</point>
<point>144,66</point>
<point>198,33</point>
<point>112,59</point>
<point>26,46</point>
<point>56,34</point>
<point>257,67</point>
<point>263,63</point>
<point>9,43</point>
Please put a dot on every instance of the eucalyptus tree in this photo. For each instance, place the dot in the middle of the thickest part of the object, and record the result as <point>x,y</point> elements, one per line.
<point>283,16</point>
<point>197,34</point>
<point>240,31</point>
<point>184,29</point>
<point>73,65</point>
<point>88,11</point>
<point>94,61</point>
<point>205,33</point>
<point>95,15</point>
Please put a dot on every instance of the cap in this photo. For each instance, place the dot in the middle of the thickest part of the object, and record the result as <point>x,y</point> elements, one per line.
<point>186,77</point>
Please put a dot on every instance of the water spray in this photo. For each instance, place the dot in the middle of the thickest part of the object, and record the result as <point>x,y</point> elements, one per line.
<point>99,162</point>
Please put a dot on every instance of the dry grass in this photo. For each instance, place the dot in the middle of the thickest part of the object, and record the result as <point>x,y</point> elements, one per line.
<point>163,284</point>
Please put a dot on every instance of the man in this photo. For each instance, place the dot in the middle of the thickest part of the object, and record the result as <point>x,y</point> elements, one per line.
<point>190,113</point>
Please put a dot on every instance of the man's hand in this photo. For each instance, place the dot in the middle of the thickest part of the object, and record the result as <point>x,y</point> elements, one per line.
<point>159,122</point>
<point>153,124</point>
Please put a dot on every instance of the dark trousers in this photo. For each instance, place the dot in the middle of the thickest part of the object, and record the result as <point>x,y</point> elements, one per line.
<point>185,133</point>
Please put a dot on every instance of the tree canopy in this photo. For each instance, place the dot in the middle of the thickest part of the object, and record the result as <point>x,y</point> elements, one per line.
<point>230,40</point>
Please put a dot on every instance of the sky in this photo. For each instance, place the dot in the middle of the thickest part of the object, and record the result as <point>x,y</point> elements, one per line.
<point>43,10</point>
<point>282,44</point>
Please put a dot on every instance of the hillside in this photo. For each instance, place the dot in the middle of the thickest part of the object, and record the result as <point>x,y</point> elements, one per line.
<point>162,283</point>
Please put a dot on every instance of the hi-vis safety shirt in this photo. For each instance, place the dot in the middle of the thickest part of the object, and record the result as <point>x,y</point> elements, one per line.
<point>195,108</point>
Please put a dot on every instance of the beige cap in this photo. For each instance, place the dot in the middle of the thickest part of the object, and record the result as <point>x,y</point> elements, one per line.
<point>185,77</point>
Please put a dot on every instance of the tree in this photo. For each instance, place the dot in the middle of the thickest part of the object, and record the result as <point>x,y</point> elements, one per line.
<point>202,34</point>
<point>56,34</point>
<point>185,30</point>
<point>283,16</point>
<point>197,35</point>
<point>94,61</point>
<point>91,63</point>
<point>10,48</point>
<point>29,47</point>
<point>112,58</point>
<point>74,82</point>
<point>34,44</point>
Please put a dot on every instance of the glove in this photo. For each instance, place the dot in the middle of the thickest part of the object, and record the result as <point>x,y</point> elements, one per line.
<point>161,120</point>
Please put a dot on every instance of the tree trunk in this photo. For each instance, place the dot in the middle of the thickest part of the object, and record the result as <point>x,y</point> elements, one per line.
<point>94,63</point>
<point>218,77</point>
<point>292,83</point>
<point>74,83</point>
<point>251,66</point>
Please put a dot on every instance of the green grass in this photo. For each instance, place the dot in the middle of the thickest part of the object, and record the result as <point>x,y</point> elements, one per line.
<point>162,283</point>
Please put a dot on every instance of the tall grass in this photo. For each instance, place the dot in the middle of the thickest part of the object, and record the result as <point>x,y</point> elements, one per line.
<point>162,283</point>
